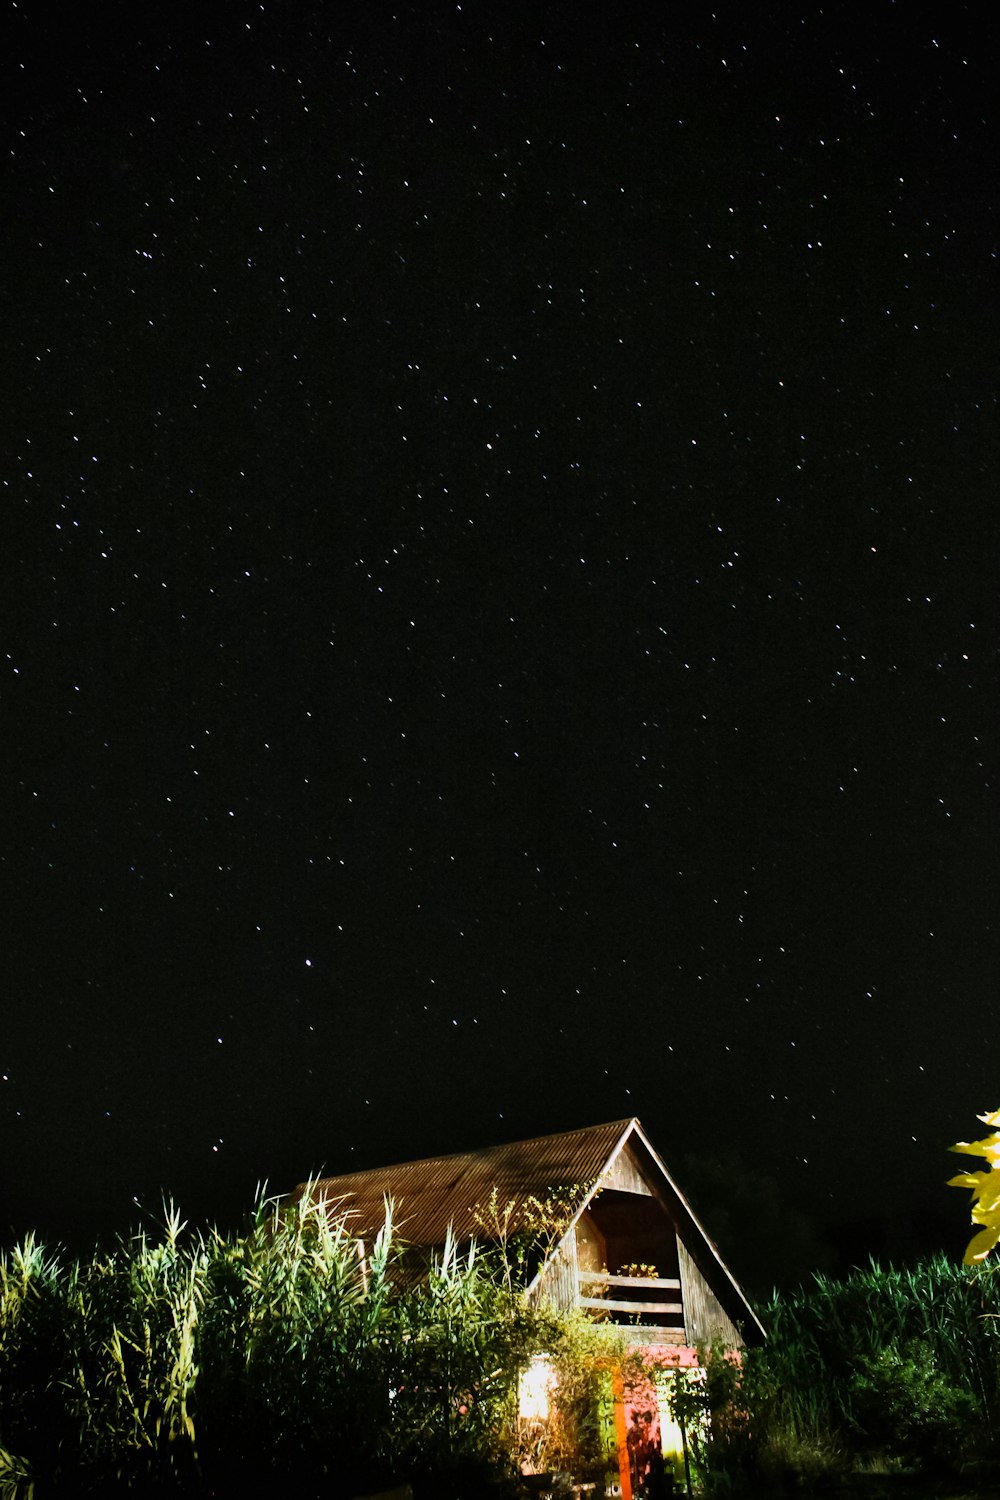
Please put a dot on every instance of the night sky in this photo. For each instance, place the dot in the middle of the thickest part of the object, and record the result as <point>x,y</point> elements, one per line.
<point>499,593</point>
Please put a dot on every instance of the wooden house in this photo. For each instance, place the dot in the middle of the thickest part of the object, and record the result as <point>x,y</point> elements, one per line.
<point>630,1249</point>
<point>624,1212</point>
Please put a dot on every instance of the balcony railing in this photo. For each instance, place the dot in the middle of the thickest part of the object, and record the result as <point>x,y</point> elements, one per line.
<point>659,1306</point>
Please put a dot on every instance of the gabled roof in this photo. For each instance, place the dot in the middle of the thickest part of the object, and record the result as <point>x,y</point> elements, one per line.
<point>429,1195</point>
<point>442,1191</point>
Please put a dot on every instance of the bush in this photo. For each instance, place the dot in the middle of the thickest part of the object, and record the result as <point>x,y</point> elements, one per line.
<point>886,1365</point>
<point>884,1371</point>
<point>906,1407</point>
<point>202,1361</point>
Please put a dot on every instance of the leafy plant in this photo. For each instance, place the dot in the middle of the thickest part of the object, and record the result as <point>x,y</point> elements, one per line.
<point>519,1235</point>
<point>899,1363</point>
<point>197,1361</point>
<point>907,1407</point>
<point>985,1188</point>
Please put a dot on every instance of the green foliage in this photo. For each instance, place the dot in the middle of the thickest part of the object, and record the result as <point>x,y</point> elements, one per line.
<point>885,1367</point>
<point>827,1343</point>
<point>521,1234</point>
<point>711,1404</point>
<point>906,1406</point>
<point>888,1370</point>
<point>199,1362</point>
<point>195,1362</point>
<point>16,1481</point>
<point>35,1338</point>
<point>579,1435</point>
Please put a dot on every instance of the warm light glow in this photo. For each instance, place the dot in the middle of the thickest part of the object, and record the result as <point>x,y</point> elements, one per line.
<point>671,1437</point>
<point>537,1383</point>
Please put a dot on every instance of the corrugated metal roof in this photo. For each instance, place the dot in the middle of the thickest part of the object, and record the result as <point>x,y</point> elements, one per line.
<point>431,1194</point>
<point>439,1191</point>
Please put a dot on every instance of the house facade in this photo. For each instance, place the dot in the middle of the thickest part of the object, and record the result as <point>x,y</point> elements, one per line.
<point>629,1249</point>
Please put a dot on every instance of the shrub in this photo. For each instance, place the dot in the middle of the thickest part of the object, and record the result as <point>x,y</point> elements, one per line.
<point>197,1361</point>
<point>905,1406</point>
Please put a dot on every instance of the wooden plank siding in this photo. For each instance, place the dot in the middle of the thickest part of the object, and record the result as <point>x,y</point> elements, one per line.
<point>624,1174</point>
<point>613,1305</point>
<point>668,1283</point>
<point>560,1281</point>
<point>704,1317</point>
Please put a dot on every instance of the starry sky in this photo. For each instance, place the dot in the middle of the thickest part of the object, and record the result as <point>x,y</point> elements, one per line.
<point>499,604</point>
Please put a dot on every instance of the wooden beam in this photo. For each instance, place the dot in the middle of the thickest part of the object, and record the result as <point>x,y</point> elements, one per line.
<point>668,1283</point>
<point>614,1305</point>
<point>652,1333</point>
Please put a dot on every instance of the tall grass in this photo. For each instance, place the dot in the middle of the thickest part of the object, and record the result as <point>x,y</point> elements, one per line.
<point>891,1368</point>
<point>828,1343</point>
<point>196,1361</point>
<point>34,1339</point>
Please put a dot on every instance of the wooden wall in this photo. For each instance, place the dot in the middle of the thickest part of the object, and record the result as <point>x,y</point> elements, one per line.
<point>560,1282</point>
<point>705,1320</point>
<point>625,1175</point>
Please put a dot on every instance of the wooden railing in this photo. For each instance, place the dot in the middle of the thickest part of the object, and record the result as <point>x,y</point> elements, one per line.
<point>633,1283</point>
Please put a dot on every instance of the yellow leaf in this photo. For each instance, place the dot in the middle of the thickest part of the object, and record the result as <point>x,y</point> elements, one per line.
<point>985,1188</point>
<point>981,1244</point>
<point>989,1147</point>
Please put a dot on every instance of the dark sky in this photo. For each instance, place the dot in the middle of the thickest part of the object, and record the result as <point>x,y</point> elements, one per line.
<point>499,592</point>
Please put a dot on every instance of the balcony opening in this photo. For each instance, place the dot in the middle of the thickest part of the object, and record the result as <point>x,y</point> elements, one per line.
<point>627,1261</point>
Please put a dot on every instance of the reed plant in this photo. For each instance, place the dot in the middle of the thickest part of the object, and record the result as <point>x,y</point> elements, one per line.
<point>828,1343</point>
<point>199,1362</point>
<point>132,1319</point>
<point>34,1339</point>
<point>888,1368</point>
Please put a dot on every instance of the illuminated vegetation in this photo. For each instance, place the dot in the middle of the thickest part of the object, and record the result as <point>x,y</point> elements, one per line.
<point>203,1363</point>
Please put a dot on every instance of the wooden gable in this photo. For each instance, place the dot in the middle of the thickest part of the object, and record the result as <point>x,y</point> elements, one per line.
<point>636,1255</point>
<point>627,1214</point>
